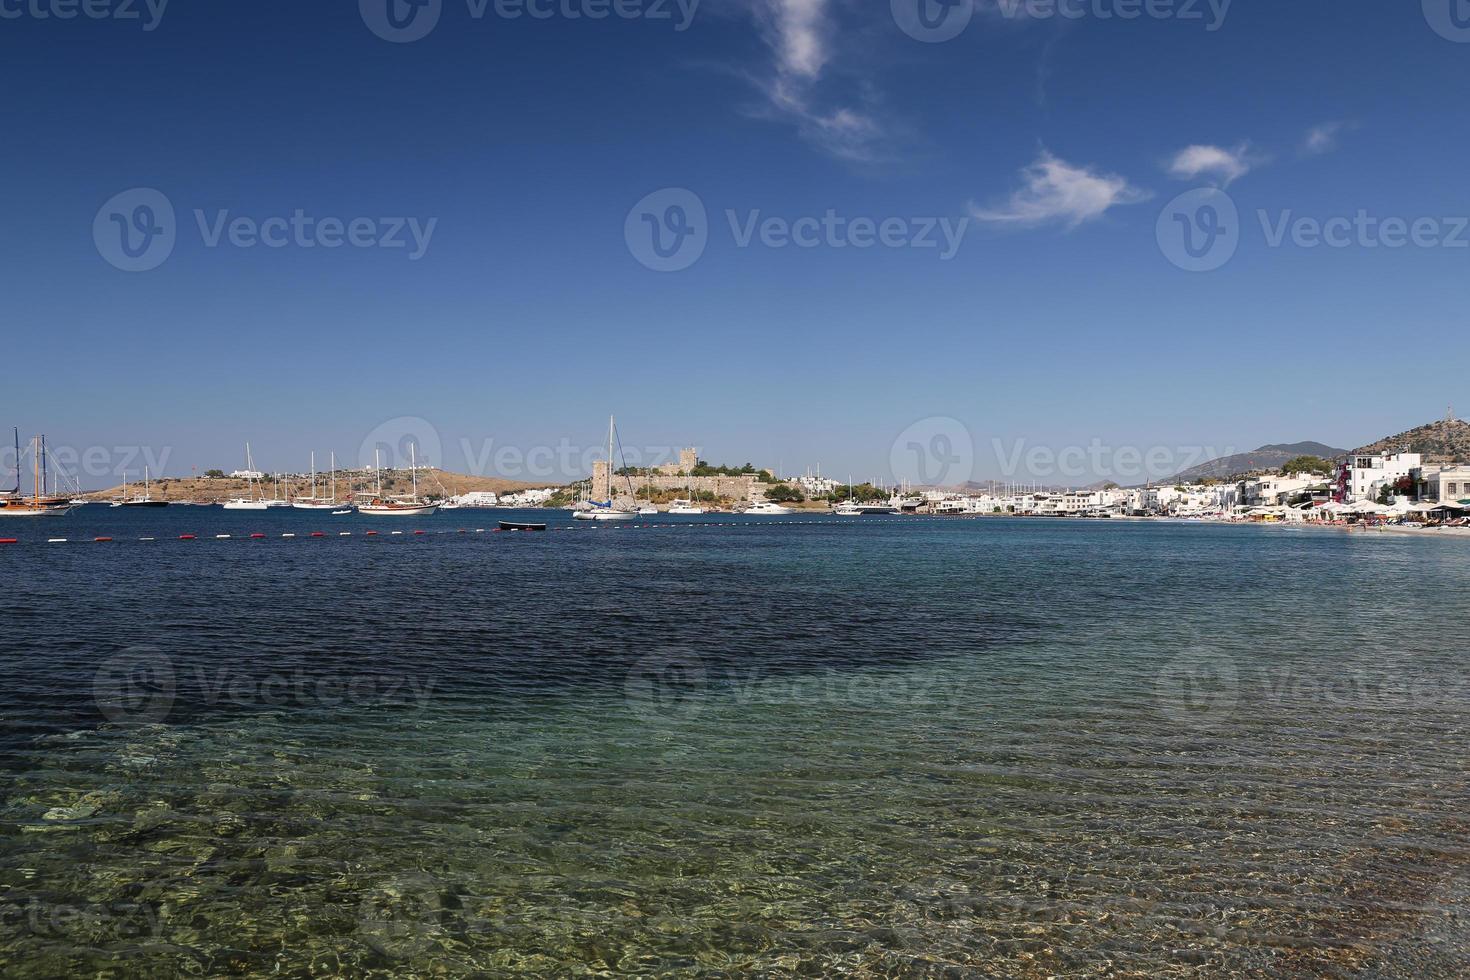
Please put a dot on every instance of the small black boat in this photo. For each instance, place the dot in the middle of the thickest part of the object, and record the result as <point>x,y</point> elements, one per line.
<point>518,526</point>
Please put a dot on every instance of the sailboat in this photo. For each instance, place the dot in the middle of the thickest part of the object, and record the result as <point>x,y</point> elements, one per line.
<point>38,504</point>
<point>686,505</point>
<point>396,506</point>
<point>314,502</point>
<point>603,510</point>
<point>254,501</point>
<point>144,501</point>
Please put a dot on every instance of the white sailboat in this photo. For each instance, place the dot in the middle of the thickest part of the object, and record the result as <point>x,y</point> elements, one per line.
<point>314,502</point>
<point>604,510</point>
<point>253,502</point>
<point>397,506</point>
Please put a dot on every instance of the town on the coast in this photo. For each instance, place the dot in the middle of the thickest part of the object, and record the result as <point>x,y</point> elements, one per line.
<point>1419,478</point>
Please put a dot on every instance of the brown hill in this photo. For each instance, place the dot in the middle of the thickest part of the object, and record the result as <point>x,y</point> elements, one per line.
<point>1445,441</point>
<point>432,482</point>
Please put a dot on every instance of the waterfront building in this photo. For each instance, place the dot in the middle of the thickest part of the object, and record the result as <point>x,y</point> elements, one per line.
<point>1442,484</point>
<point>1362,476</point>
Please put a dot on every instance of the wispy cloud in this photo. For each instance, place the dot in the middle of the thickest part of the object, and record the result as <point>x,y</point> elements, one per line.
<point>1227,165</point>
<point>801,35</point>
<point>1054,191</point>
<point>1323,138</point>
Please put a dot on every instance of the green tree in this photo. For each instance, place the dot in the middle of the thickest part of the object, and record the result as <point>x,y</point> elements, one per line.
<point>214,474</point>
<point>1308,464</point>
<point>783,493</point>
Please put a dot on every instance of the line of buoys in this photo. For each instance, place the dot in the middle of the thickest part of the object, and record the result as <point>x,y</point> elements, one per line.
<point>480,530</point>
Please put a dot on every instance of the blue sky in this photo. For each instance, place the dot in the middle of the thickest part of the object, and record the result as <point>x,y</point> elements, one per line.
<point>525,144</point>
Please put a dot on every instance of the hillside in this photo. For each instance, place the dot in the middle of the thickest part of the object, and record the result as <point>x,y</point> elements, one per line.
<point>1445,441</point>
<point>1266,458</point>
<point>431,481</point>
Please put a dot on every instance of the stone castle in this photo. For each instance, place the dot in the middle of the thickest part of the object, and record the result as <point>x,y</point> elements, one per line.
<point>670,477</point>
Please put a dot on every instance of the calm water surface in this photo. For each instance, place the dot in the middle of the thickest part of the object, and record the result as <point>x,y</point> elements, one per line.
<point>886,747</point>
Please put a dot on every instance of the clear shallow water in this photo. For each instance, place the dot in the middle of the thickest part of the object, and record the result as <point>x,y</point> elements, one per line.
<point>884,747</point>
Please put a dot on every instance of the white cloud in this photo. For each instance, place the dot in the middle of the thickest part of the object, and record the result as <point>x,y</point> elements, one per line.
<point>801,36</point>
<point>1323,138</point>
<point>1056,191</point>
<point>799,32</point>
<point>1228,165</point>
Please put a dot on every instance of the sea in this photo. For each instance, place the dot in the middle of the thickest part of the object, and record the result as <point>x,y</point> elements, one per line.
<point>729,746</point>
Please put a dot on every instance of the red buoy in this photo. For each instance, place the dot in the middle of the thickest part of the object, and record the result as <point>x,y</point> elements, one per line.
<point>186,537</point>
<point>257,535</point>
<point>101,539</point>
<point>9,541</point>
<point>317,534</point>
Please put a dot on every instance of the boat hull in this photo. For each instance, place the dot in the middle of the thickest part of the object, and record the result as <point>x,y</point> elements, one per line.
<point>382,511</point>
<point>603,515</point>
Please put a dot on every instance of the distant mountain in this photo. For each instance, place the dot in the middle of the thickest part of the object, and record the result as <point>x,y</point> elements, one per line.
<point>1445,441</point>
<point>1265,458</point>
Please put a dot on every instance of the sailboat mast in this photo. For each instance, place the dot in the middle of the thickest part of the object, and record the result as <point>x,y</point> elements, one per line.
<point>378,470</point>
<point>413,466</point>
<point>35,463</point>
<point>45,483</point>
<point>334,477</point>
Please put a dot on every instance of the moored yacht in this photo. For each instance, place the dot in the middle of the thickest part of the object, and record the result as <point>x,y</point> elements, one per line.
<point>314,502</point>
<point>604,510</point>
<point>768,508</point>
<point>380,506</point>
<point>39,504</point>
<point>254,501</point>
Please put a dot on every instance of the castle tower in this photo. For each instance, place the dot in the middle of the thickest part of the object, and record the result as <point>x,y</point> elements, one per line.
<point>601,480</point>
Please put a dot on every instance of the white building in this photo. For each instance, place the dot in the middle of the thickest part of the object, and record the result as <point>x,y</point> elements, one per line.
<point>1273,491</point>
<point>1367,473</point>
<point>247,475</point>
<point>1443,484</point>
<point>478,498</point>
<point>815,486</point>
